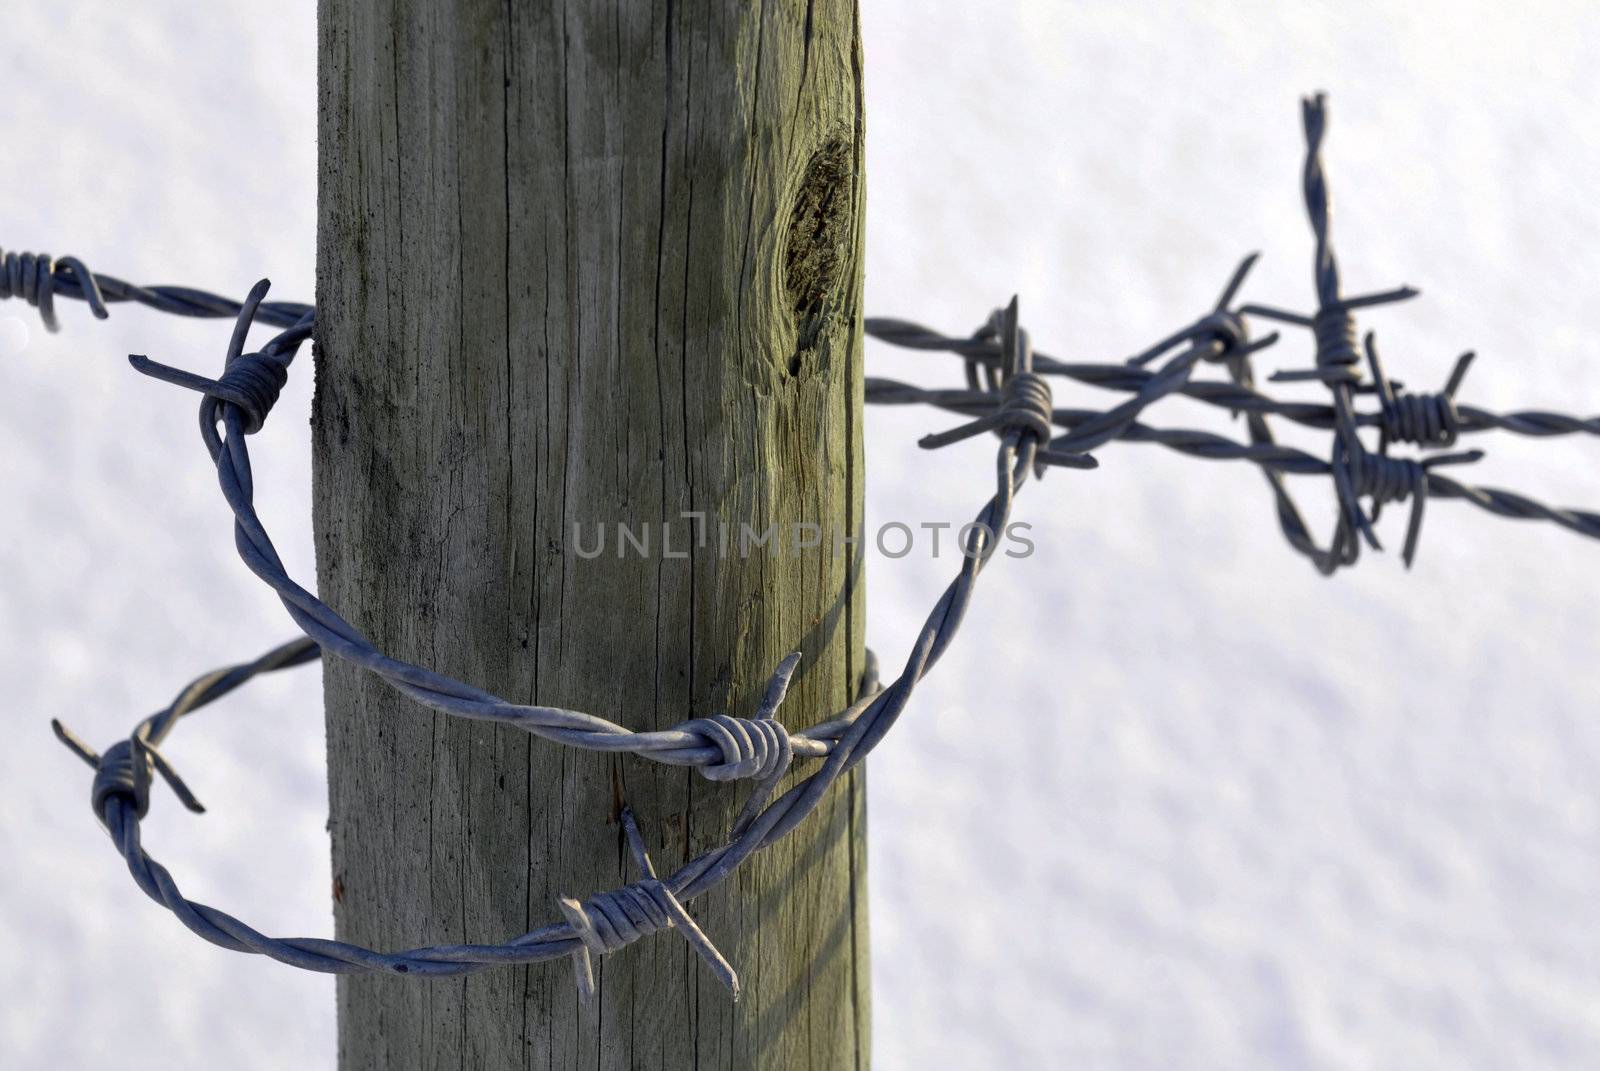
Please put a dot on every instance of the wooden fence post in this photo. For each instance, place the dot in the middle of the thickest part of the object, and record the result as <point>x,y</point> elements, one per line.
<point>581,267</point>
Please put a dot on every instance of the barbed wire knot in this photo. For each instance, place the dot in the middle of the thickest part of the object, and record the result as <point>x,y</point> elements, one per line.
<point>758,747</point>
<point>1226,329</point>
<point>1334,329</point>
<point>1025,406</point>
<point>750,747</point>
<point>1427,419</point>
<point>123,770</point>
<point>1386,479</point>
<point>610,921</point>
<point>1424,419</point>
<point>251,382</point>
<point>1222,336</point>
<point>31,277</point>
<point>1395,479</point>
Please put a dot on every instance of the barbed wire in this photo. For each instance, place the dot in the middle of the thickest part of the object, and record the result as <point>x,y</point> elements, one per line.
<point>978,350</point>
<point>724,746</point>
<point>1006,394</point>
<point>1422,418</point>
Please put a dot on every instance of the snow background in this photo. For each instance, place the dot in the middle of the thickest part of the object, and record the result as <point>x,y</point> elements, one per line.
<point>1260,818</point>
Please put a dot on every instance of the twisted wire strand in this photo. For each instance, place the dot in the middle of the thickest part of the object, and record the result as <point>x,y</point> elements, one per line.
<point>38,280</point>
<point>120,798</point>
<point>1271,457</point>
<point>1232,396</point>
<point>1537,423</point>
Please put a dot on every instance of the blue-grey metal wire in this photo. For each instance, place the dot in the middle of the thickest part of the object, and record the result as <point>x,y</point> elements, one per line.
<point>1426,419</point>
<point>121,791</point>
<point>1006,393</point>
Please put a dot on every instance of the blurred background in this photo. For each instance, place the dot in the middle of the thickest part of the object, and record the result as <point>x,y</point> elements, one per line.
<point>1277,820</point>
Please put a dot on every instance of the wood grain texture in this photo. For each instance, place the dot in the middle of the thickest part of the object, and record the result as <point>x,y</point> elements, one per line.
<point>577,266</point>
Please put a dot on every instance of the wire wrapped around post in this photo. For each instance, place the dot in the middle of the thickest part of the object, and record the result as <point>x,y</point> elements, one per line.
<point>1007,391</point>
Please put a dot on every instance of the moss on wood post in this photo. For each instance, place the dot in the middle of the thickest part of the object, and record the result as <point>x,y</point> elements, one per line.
<point>577,267</point>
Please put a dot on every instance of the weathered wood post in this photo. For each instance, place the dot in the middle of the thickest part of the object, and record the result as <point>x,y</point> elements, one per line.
<point>581,266</point>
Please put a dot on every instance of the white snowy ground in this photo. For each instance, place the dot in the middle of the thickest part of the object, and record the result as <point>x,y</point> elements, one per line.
<point>1192,804</point>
